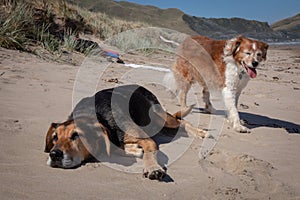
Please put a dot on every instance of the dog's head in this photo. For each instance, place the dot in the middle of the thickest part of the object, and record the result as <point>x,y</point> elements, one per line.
<point>70,143</point>
<point>247,53</point>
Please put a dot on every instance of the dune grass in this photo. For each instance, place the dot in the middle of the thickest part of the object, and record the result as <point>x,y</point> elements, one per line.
<point>105,26</point>
<point>16,26</point>
<point>53,25</point>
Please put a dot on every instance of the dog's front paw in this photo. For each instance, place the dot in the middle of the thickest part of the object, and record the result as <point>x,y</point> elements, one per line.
<point>154,173</point>
<point>241,129</point>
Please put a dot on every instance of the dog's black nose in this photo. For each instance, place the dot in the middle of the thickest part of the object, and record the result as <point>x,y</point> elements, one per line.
<point>254,63</point>
<point>56,155</point>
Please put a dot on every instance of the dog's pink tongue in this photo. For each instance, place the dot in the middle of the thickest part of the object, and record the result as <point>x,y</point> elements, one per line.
<point>251,72</point>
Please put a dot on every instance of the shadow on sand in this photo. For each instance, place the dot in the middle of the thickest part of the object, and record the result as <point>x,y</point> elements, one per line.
<point>255,121</point>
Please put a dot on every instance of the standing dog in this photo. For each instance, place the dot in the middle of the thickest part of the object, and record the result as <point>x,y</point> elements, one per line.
<point>229,64</point>
<point>128,114</point>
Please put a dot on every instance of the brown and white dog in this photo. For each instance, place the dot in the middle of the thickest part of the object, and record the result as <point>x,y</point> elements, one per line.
<point>229,64</point>
<point>128,114</point>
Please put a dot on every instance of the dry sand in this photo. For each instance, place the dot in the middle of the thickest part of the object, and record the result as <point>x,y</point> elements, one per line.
<point>264,164</point>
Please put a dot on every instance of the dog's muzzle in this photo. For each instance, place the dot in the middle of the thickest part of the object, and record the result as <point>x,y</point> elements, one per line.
<point>56,155</point>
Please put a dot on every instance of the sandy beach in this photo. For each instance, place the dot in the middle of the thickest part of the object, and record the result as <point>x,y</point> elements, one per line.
<point>264,164</point>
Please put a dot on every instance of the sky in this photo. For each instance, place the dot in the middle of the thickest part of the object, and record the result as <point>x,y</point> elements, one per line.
<point>262,10</point>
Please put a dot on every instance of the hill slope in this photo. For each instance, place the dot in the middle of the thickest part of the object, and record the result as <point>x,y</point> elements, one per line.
<point>223,28</point>
<point>168,18</point>
<point>212,27</point>
<point>290,26</point>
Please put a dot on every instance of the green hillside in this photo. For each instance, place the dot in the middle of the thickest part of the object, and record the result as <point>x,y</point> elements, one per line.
<point>175,19</point>
<point>167,18</point>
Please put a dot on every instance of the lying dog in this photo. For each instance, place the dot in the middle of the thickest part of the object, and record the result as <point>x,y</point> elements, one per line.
<point>128,114</point>
<point>229,64</point>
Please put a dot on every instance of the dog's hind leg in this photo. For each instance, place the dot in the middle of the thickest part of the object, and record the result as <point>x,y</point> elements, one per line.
<point>184,88</point>
<point>205,95</point>
<point>206,99</point>
<point>189,128</point>
<point>176,121</point>
<point>183,82</point>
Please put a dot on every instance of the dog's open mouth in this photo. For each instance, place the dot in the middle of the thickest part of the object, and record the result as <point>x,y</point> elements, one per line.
<point>251,71</point>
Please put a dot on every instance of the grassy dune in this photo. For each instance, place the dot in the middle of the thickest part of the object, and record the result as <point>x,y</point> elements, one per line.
<point>53,25</point>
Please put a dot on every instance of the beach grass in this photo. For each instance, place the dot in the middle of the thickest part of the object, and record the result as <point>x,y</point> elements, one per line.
<point>54,25</point>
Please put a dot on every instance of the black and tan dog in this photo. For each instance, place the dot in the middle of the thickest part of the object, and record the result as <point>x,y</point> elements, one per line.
<point>122,115</point>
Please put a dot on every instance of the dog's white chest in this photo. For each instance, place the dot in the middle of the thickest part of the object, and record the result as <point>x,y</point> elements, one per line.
<point>243,79</point>
<point>236,79</point>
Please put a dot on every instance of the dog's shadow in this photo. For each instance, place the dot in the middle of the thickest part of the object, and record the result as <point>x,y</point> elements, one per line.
<point>254,121</point>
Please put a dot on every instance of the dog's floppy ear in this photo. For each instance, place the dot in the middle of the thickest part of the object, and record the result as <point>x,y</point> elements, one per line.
<point>105,136</point>
<point>49,142</point>
<point>233,46</point>
<point>236,45</point>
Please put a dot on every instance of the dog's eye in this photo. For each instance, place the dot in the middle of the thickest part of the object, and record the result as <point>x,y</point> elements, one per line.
<point>248,53</point>
<point>259,54</point>
<point>74,136</point>
<point>54,137</point>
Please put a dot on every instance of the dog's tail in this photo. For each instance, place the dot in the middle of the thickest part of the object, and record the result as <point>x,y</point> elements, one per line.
<point>182,113</point>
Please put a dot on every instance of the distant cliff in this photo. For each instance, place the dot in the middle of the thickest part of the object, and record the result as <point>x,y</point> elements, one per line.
<point>221,28</point>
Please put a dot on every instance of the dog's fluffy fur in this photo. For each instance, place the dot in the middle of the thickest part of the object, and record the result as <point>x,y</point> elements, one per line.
<point>128,114</point>
<point>224,64</point>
